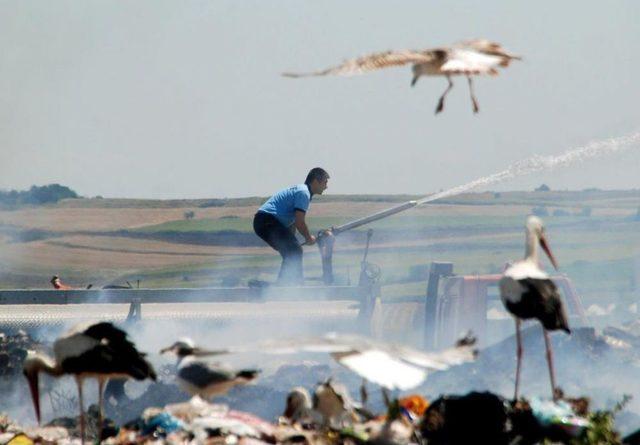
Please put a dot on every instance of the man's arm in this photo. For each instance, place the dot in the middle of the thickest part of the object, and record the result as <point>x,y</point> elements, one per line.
<point>301,225</point>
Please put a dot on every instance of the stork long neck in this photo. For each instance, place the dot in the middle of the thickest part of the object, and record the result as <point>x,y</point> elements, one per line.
<point>43,363</point>
<point>531,247</point>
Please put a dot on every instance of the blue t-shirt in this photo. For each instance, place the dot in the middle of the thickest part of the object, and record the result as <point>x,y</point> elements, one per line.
<point>283,205</point>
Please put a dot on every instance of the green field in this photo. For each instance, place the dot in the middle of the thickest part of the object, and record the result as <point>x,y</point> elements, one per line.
<point>595,236</point>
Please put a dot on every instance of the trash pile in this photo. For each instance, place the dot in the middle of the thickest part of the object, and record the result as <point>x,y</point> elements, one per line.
<point>331,417</point>
<point>13,350</point>
<point>290,406</point>
<point>603,363</point>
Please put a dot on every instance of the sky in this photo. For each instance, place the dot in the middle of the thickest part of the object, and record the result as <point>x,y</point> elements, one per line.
<point>184,99</point>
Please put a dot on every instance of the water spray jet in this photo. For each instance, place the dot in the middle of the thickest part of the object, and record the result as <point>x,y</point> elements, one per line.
<point>527,166</point>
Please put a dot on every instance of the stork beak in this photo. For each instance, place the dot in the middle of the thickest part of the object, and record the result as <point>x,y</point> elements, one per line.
<point>545,247</point>
<point>32,378</point>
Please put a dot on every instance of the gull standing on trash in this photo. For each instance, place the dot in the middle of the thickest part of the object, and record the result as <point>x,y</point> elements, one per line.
<point>98,350</point>
<point>298,408</point>
<point>468,58</point>
<point>203,379</point>
<point>528,292</point>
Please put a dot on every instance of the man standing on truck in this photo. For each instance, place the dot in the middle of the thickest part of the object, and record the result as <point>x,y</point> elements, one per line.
<point>277,220</point>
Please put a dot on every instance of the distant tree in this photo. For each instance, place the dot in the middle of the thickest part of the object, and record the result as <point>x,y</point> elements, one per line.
<point>543,188</point>
<point>497,195</point>
<point>189,214</point>
<point>37,195</point>
<point>637,217</point>
<point>9,198</point>
<point>540,211</point>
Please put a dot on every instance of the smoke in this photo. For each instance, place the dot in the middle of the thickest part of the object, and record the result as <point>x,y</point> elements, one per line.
<point>298,319</point>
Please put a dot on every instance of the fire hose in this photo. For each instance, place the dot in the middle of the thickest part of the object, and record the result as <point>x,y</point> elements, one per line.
<point>326,238</point>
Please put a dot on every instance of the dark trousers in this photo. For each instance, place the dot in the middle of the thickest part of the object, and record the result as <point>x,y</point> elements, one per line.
<point>282,239</point>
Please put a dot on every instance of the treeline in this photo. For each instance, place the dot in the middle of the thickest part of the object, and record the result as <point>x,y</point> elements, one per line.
<point>36,195</point>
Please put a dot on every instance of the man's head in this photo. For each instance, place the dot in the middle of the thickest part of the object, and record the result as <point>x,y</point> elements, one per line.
<point>317,180</point>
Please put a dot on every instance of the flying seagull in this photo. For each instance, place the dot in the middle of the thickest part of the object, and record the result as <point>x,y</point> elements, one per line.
<point>468,58</point>
<point>388,365</point>
<point>203,379</point>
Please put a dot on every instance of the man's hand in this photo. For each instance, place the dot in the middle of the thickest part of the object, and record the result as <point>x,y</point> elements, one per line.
<point>310,241</point>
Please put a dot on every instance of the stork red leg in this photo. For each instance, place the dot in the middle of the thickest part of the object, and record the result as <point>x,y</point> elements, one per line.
<point>440,106</point>
<point>474,101</point>
<point>547,344</point>
<point>101,382</point>
<point>81,403</point>
<point>519,358</point>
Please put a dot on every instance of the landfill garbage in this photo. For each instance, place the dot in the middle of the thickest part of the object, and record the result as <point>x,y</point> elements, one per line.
<point>13,350</point>
<point>558,413</point>
<point>161,424</point>
<point>413,406</point>
<point>248,415</point>
<point>477,417</point>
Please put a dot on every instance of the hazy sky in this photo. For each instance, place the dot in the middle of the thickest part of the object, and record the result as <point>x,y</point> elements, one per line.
<point>173,99</point>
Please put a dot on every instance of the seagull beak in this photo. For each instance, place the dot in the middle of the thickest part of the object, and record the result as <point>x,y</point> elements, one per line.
<point>167,349</point>
<point>545,247</point>
<point>32,378</point>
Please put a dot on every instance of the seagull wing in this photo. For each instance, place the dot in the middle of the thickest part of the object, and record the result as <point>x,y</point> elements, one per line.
<point>391,366</point>
<point>488,47</point>
<point>328,343</point>
<point>371,62</point>
<point>440,361</point>
<point>203,374</point>
<point>379,367</point>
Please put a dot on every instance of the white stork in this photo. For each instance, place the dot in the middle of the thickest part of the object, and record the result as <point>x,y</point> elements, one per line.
<point>468,58</point>
<point>99,351</point>
<point>528,292</point>
<point>204,379</point>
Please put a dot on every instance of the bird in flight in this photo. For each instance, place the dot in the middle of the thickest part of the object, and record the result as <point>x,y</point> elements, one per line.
<point>203,379</point>
<point>468,58</point>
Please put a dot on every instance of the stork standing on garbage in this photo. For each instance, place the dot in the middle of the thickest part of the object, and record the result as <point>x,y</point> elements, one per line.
<point>528,292</point>
<point>89,350</point>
